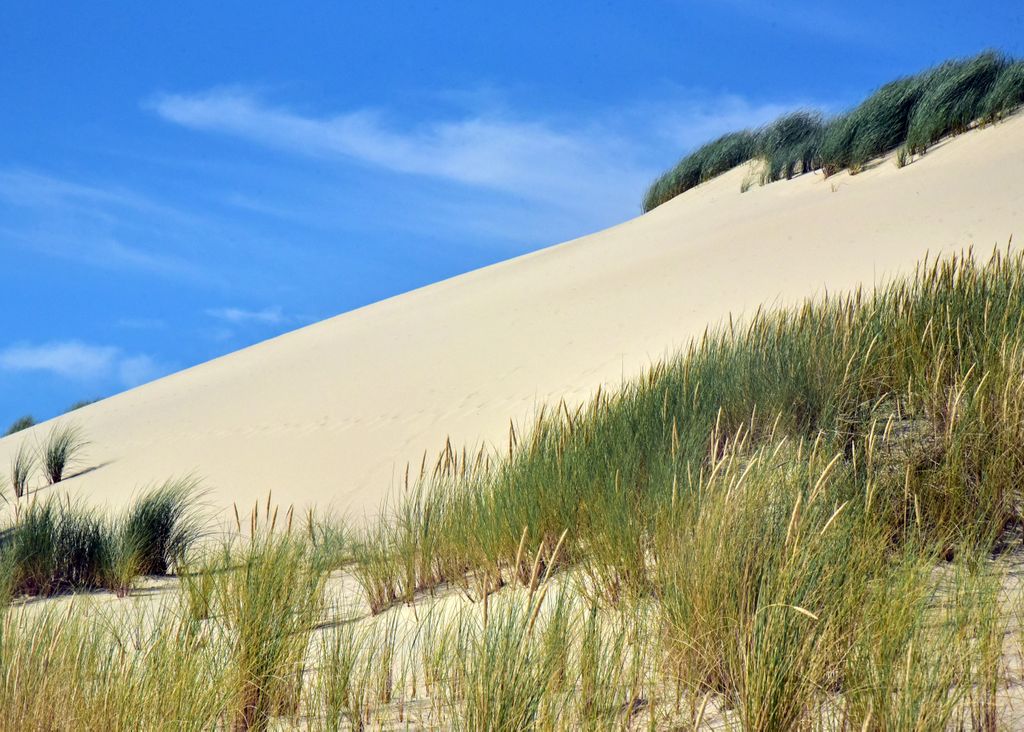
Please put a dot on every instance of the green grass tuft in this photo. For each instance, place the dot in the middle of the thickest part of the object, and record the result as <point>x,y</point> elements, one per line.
<point>57,547</point>
<point>269,595</point>
<point>706,162</point>
<point>790,145</point>
<point>21,423</point>
<point>23,464</point>
<point>163,524</point>
<point>874,127</point>
<point>1007,92</point>
<point>60,450</point>
<point>953,98</point>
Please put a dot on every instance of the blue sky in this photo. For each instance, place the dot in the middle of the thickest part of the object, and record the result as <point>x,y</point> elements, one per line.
<point>179,180</point>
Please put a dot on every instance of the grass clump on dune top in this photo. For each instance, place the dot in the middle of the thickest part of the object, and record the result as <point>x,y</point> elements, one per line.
<point>874,127</point>
<point>705,163</point>
<point>954,97</point>
<point>21,423</point>
<point>790,144</point>
<point>915,111</point>
<point>1007,92</point>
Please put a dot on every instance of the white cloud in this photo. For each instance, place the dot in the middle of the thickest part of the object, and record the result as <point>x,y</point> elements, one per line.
<point>238,316</point>
<point>527,158</point>
<point>594,167</point>
<point>80,361</point>
<point>71,359</point>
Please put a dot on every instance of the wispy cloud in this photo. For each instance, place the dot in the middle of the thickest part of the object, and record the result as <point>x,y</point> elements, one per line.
<point>34,189</point>
<point>80,361</point>
<point>528,158</point>
<point>598,163</point>
<point>240,316</point>
<point>95,224</point>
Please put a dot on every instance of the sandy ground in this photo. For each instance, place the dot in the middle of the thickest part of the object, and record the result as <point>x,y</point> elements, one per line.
<point>330,414</point>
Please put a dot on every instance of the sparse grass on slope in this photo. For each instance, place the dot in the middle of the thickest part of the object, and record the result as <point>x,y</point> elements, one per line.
<point>23,463</point>
<point>926,370</point>
<point>61,447</point>
<point>915,111</point>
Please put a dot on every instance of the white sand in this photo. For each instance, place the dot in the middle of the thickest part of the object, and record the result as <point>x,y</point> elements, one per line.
<point>331,413</point>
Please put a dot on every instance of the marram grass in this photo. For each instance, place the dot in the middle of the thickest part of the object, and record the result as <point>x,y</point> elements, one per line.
<point>60,449</point>
<point>922,376</point>
<point>23,464</point>
<point>791,525</point>
<point>56,545</point>
<point>915,112</point>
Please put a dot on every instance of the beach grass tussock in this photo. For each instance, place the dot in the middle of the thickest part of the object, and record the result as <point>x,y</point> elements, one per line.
<point>1007,92</point>
<point>23,464</point>
<point>163,524</point>
<point>57,545</point>
<point>21,423</point>
<point>60,449</point>
<point>953,97</point>
<point>269,594</point>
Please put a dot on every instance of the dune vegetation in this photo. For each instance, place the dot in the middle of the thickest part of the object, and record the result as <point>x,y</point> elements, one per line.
<point>27,420</point>
<point>804,521</point>
<point>909,115</point>
<point>59,450</point>
<point>56,546</point>
<point>21,423</point>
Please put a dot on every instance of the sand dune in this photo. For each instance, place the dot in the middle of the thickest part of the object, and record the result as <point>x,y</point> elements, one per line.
<point>331,413</point>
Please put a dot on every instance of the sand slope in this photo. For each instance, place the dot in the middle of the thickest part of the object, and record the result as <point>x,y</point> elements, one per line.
<point>331,413</point>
